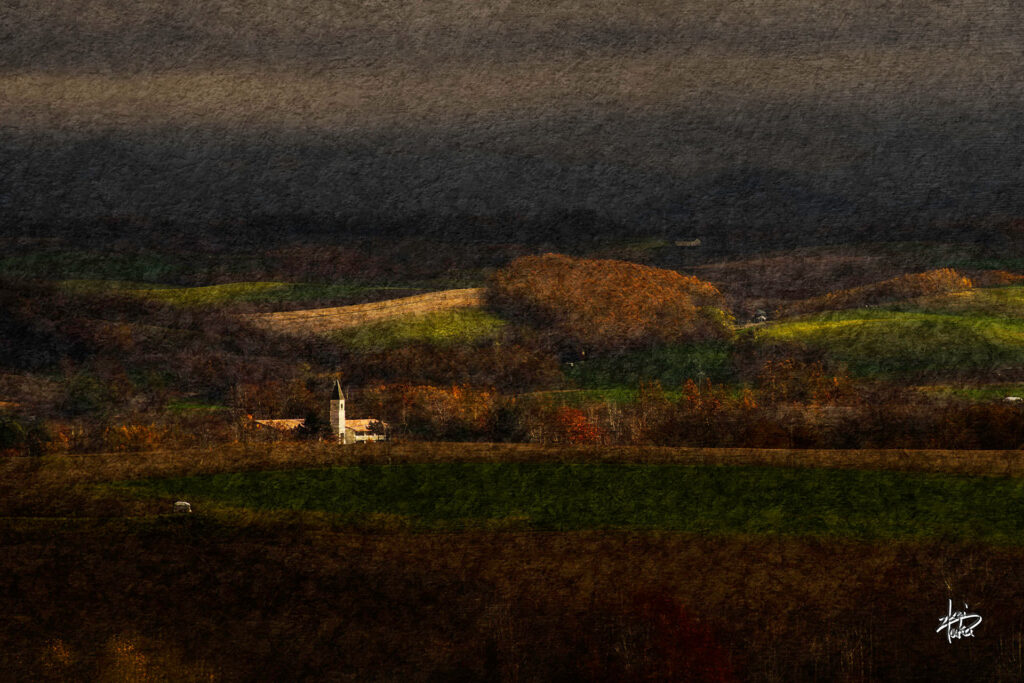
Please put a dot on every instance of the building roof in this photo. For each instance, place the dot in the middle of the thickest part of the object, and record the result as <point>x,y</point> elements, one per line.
<point>285,425</point>
<point>336,395</point>
<point>362,425</point>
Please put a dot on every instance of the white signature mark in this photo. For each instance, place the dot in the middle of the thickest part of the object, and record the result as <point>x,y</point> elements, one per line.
<point>958,624</point>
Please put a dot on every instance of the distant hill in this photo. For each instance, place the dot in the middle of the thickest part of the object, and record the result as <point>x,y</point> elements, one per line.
<point>899,288</point>
<point>604,305</point>
<point>322,320</point>
<point>969,333</point>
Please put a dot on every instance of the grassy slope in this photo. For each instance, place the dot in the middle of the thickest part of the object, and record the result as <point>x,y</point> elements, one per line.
<point>617,379</point>
<point>670,365</point>
<point>325,320</point>
<point>987,392</point>
<point>441,328</point>
<point>825,502</point>
<point>971,331</point>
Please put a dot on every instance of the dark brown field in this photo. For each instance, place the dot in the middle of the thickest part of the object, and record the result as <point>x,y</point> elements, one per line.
<point>97,587</point>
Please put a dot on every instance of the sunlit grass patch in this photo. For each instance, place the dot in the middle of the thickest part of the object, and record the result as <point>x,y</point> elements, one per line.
<point>218,294</point>
<point>441,328</point>
<point>988,392</point>
<point>909,339</point>
<point>193,407</point>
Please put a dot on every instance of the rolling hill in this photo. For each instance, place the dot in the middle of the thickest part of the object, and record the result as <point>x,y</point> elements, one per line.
<point>972,332</point>
<point>320,320</point>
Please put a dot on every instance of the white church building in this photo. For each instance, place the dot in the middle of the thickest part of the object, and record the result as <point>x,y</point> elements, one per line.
<point>353,431</point>
<point>344,430</point>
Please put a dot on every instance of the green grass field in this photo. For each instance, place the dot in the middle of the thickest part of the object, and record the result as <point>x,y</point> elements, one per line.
<point>583,397</point>
<point>671,366</point>
<point>440,328</point>
<point>706,499</point>
<point>976,331</point>
<point>991,392</point>
<point>233,292</point>
<point>180,407</point>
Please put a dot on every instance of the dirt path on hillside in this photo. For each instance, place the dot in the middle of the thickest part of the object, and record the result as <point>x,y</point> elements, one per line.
<point>318,320</point>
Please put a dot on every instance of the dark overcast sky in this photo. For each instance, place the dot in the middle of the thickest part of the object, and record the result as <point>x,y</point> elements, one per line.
<point>758,112</point>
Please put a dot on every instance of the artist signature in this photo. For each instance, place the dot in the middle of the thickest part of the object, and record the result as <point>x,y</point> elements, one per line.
<point>958,624</point>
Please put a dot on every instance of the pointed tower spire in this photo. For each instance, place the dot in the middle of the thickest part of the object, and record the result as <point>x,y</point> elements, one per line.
<point>338,412</point>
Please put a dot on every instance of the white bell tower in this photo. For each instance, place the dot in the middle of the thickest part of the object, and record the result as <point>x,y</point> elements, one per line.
<point>338,412</point>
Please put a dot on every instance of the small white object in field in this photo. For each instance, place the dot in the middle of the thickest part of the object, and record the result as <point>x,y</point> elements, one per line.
<point>1013,399</point>
<point>182,506</point>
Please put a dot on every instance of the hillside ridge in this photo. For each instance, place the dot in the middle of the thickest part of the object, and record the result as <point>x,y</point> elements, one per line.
<point>342,317</point>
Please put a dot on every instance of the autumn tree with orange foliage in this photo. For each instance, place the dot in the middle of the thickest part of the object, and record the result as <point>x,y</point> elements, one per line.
<point>705,413</point>
<point>604,306</point>
<point>791,380</point>
<point>572,427</point>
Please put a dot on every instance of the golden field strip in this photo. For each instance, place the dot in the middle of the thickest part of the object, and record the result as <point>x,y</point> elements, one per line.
<point>342,317</point>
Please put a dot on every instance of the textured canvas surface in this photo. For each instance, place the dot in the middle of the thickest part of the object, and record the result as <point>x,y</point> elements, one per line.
<point>781,114</point>
<point>518,340</point>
